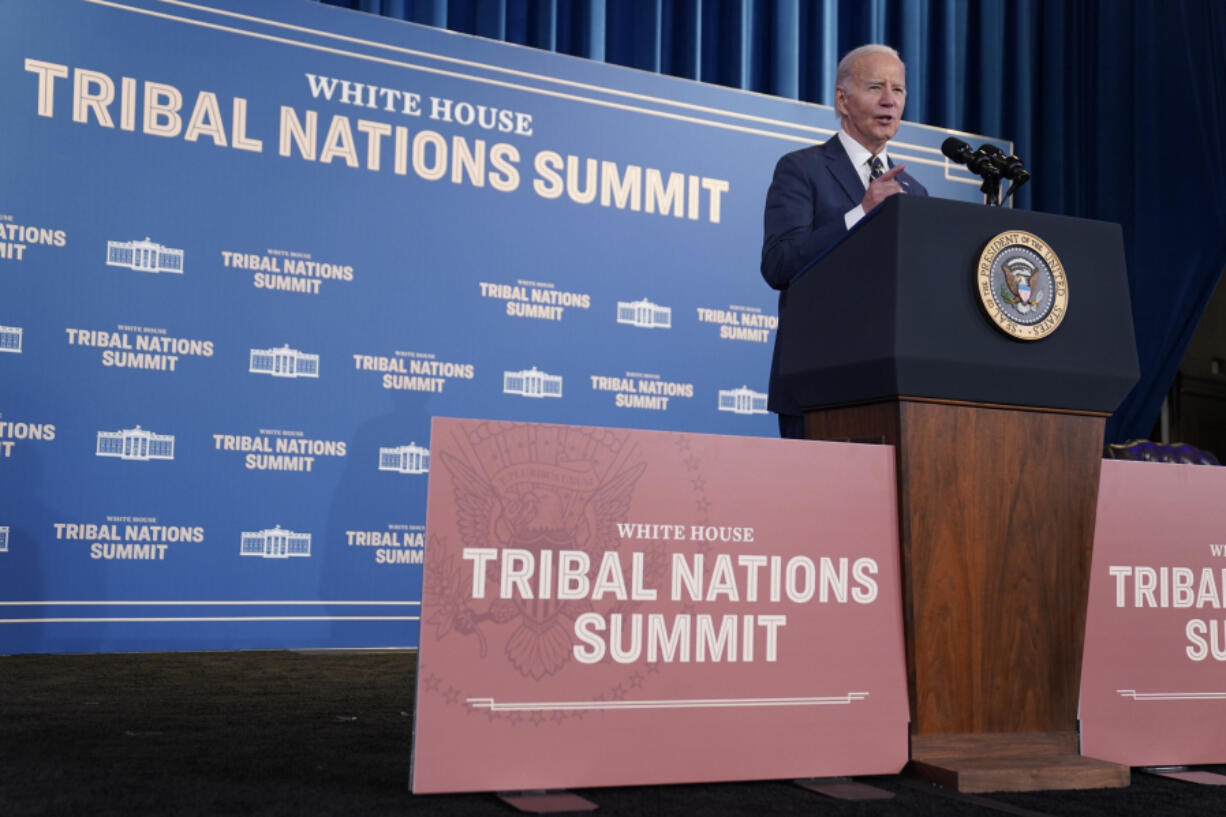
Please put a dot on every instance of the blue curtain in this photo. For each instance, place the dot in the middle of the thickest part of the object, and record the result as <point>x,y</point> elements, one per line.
<point>1117,106</point>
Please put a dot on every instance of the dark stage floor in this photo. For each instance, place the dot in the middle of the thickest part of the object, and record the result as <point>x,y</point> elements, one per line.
<point>286,733</point>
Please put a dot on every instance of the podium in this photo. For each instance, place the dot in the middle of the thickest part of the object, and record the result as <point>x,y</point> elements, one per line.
<point>998,449</point>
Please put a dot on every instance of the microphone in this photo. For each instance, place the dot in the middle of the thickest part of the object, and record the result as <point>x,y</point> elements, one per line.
<point>989,163</point>
<point>956,150</point>
<point>979,162</point>
<point>1010,166</point>
<point>982,165</point>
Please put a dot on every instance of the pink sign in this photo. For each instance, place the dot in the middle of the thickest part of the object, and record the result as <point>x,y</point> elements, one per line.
<point>1153,680</point>
<point>612,607</point>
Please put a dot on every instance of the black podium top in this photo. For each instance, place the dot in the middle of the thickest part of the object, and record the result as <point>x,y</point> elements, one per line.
<point>892,311</point>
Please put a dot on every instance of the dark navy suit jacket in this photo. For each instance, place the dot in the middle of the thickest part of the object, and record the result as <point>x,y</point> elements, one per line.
<point>811,191</point>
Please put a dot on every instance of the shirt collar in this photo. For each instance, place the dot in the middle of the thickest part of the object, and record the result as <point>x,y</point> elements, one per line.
<point>858,153</point>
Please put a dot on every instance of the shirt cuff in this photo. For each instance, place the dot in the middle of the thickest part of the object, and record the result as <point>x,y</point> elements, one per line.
<point>853,215</point>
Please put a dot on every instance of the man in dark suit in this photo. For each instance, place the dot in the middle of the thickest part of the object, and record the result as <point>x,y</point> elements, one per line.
<point>820,192</point>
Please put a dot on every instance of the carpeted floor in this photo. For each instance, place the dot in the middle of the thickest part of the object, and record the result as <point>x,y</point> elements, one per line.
<point>286,733</point>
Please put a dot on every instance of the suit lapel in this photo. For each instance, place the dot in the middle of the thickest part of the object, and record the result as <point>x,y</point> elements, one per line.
<point>904,176</point>
<point>840,167</point>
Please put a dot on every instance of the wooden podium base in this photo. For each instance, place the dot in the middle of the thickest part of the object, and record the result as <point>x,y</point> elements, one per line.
<point>1033,761</point>
<point>996,512</point>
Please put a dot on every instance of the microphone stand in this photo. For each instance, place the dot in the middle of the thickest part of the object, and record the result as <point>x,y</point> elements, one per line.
<point>981,164</point>
<point>991,187</point>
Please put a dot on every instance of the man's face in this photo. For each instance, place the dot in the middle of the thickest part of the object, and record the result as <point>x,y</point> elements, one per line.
<point>872,100</point>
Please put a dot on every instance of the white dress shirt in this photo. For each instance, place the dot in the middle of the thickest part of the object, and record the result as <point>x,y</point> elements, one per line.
<point>860,158</point>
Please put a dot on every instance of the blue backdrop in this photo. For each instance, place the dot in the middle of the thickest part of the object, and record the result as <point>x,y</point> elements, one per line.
<point>1117,106</point>
<point>250,249</point>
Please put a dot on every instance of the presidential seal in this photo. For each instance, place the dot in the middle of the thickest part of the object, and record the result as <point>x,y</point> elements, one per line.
<point>1021,285</point>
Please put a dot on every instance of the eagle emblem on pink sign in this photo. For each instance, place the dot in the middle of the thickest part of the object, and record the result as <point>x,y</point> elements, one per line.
<point>539,491</point>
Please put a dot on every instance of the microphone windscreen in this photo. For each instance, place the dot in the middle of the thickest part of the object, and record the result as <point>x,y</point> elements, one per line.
<point>956,150</point>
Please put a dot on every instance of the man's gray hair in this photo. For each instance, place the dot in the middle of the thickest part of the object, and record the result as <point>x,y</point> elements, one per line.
<point>849,59</point>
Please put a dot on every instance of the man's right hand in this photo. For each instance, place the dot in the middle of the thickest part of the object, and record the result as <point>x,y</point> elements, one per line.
<point>882,187</point>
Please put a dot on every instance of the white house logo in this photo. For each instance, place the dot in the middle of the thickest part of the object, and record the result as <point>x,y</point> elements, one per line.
<point>4,538</point>
<point>645,314</point>
<point>10,339</point>
<point>405,459</point>
<point>275,544</point>
<point>136,444</point>
<point>742,401</point>
<point>532,383</point>
<point>284,362</point>
<point>144,256</point>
